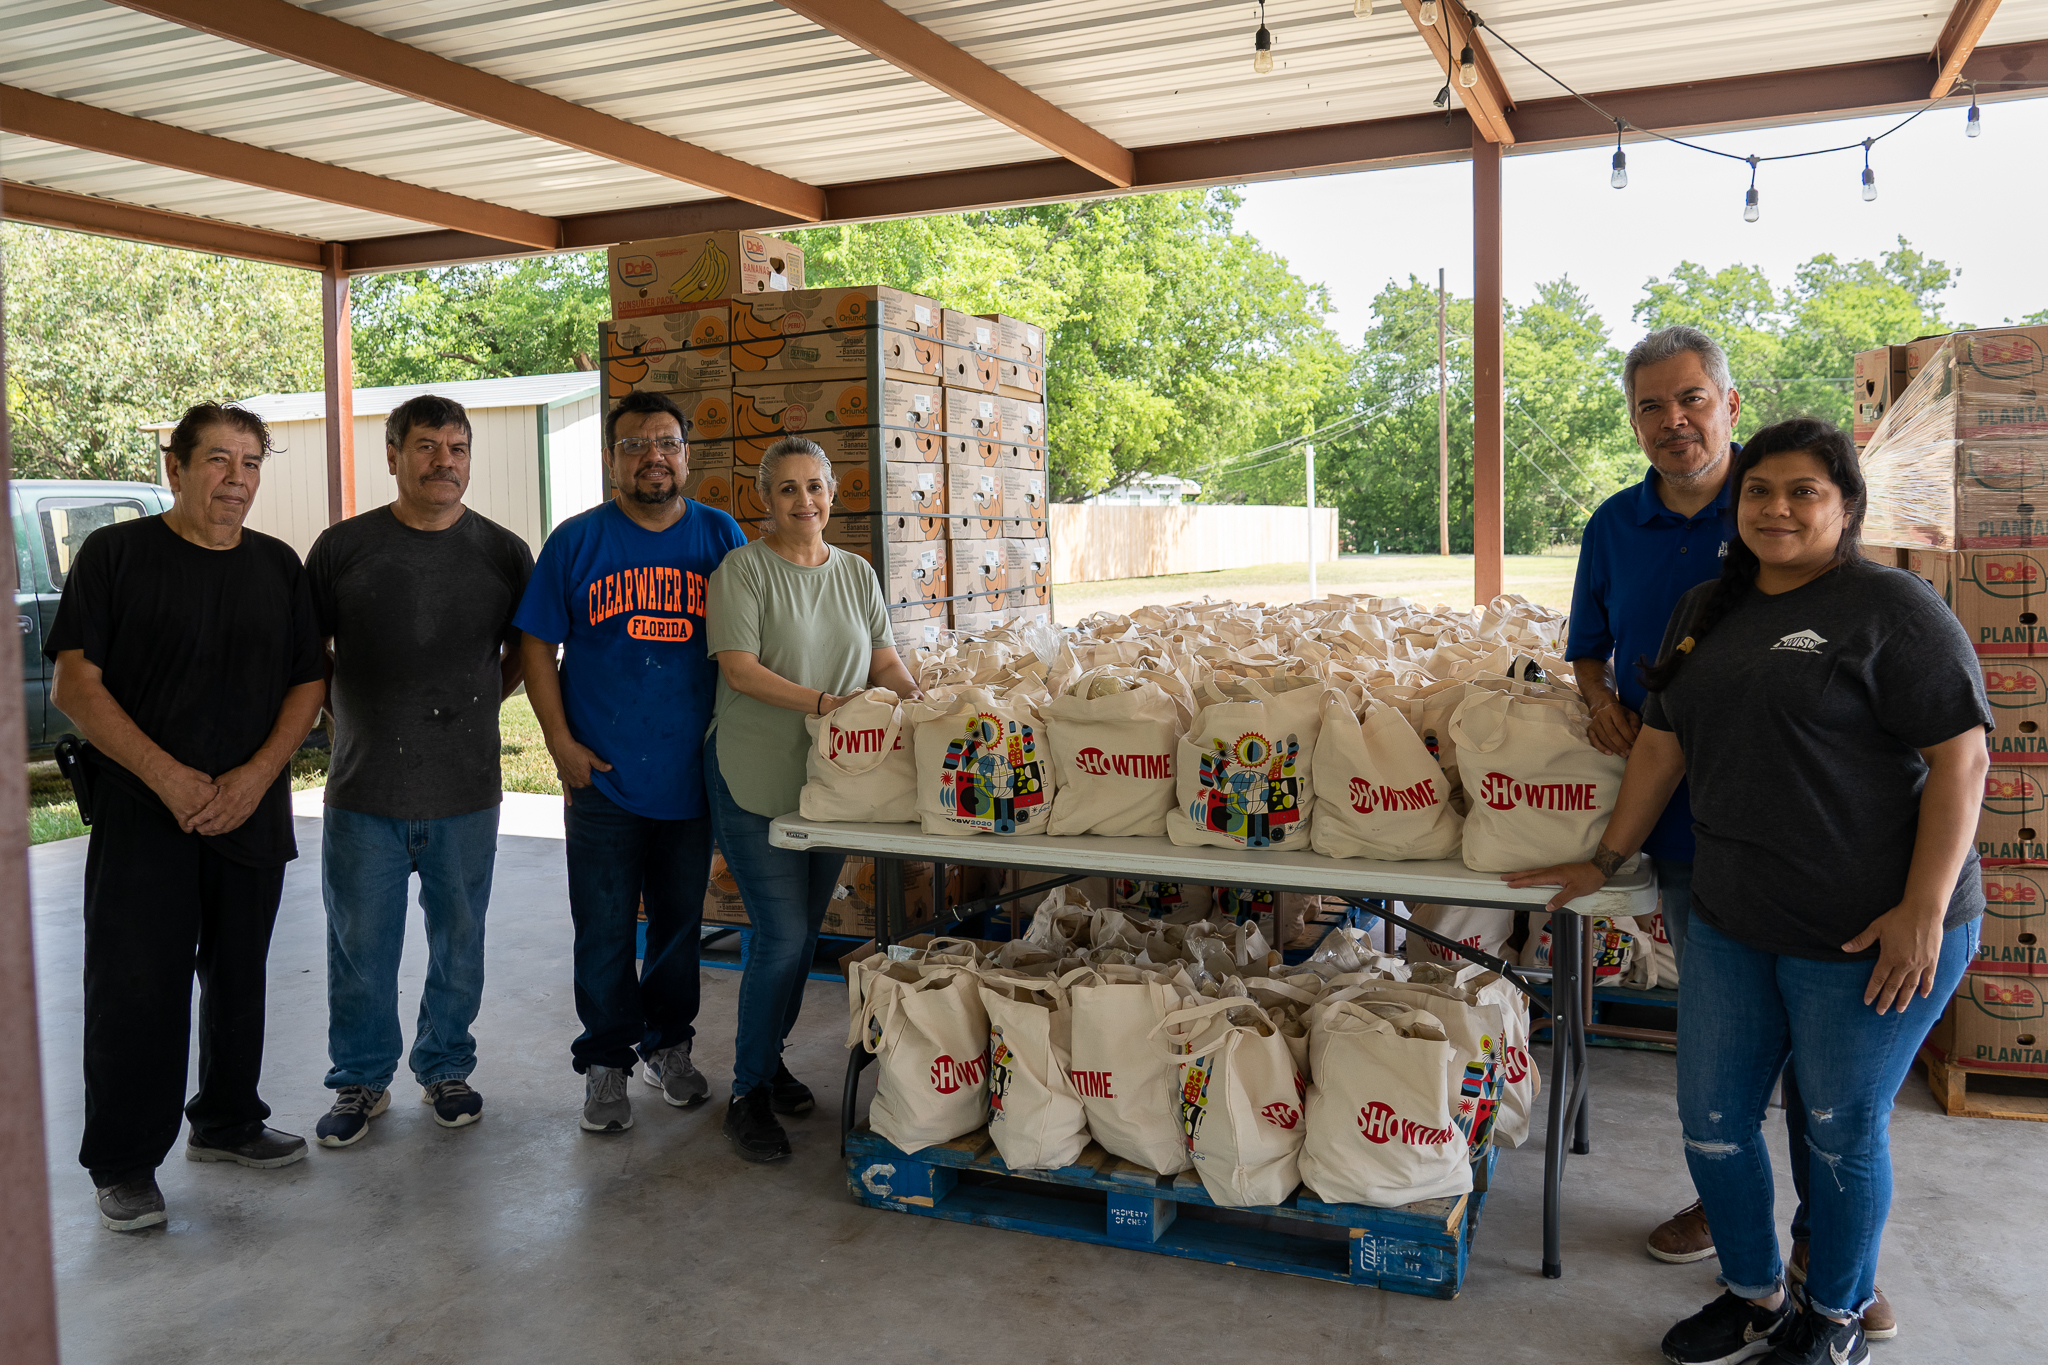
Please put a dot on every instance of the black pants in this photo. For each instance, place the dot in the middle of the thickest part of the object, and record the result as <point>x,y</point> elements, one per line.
<point>159,905</point>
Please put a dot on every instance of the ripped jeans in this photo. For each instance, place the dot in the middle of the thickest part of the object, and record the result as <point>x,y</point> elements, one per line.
<point>1741,1013</point>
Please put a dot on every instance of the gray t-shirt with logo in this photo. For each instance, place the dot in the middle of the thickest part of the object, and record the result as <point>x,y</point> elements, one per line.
<point>1802,716</point>
<point>417,619</point>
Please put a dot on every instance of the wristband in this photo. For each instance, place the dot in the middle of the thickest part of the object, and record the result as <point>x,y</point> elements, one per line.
<point>821,703</point>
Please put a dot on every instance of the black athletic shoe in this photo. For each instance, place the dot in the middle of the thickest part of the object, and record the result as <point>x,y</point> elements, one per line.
<point>753,1129</point>
<point>266,1151</point>
<point>1727,1330</point>
<point>1816,1339</point>
<point>455,1104</point>
<point>788,1095</point>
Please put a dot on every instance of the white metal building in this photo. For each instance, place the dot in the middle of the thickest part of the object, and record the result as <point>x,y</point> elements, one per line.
<point>534,459</point>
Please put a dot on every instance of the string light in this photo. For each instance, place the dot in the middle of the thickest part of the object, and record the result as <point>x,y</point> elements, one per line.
<point>1468,70</point>
<point>1974,125</point>
<point>1426,16</point>
<point>1262,44</point>
<point>1869,176</point>
<point>1620,177</point>
<point>1750,212</point>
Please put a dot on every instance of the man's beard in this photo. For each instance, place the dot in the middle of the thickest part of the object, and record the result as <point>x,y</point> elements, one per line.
<point>659,496</point>
<point>1692,476</point>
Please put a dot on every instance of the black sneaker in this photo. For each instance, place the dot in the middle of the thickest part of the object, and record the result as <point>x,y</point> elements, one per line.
<point>1817,1339</point>
<point>349,1120</point>
<point>455,1104</point>
<point>753,1129</point>
<point>1727,1330</point>
<point>788,1095</point>
<point>131,1205</point>
<point>268,1149</point>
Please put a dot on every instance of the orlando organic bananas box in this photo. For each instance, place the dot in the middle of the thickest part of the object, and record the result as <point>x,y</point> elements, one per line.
<point>772,409</point>
<point>966,368</point>
<point>674,274</point>
<point>1020,379</point>
<point>1023,420</point>
<point>919,573</point>
<point>973,414</point>
<point>666,352</point>
<point>797,312</point>
<point>843,445</point>
<point>855,495</point>
<point>853,353</point>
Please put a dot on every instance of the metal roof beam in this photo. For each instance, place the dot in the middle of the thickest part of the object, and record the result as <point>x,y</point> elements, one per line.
<point>903,42</point>
<point>1488,101</point>
<point>21,203</point>
<point>29,114</point>
<point>285,30</point>
<point>1966,24</point>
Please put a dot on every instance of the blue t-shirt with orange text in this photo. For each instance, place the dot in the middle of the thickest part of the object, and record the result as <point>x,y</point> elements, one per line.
<point>627,606</point>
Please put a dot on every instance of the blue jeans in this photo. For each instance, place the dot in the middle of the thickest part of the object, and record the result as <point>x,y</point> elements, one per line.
<point>366,867</point>
<point>616,859</point>
<point>1674,891</point>
<point>1741,1014</point>
<point>786,892</point>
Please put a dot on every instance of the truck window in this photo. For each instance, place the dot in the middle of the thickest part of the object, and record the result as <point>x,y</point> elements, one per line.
<point>68,521</point>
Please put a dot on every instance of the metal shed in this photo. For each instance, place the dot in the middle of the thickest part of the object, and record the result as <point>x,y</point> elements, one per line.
<point>533,462</point>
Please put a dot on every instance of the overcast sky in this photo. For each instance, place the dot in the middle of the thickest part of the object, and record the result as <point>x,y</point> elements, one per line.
<point>1979,204</point>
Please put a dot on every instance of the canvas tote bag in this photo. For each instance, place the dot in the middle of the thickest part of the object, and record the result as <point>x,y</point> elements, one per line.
<point>1486,930</point>
<point>1240,1100</point>
<point>928,1032</point>
<point>1539,793</point>
<point>1379,1127</point>
<point>1243,777</point>
<point>982,765</point>
<point>1113,737</point>
<point>1476,1027</point>
<point>1127,1083</point>
<point>860,766</point>
<point>1034,1113</point>
<point>1520,1081</point>
<point>1382,793</point>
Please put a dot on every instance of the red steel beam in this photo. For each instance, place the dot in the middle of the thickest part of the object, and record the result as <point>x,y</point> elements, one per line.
<point>1966,23</point>
<point>904,43</point>
<point>285,30</point>
<point>107,218</point>
<point>337,352</point>
<point>29,114</point>
<point>1489,484</point>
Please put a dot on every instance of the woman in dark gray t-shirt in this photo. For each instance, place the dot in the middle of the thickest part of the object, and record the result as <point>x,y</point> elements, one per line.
<point>1830,717</point>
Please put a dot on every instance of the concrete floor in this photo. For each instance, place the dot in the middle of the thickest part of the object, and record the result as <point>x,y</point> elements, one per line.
<point>524,1239</point>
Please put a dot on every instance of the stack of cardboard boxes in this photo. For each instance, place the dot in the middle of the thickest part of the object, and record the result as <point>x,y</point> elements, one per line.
<point>1956,457</point>
<point>934,420</point>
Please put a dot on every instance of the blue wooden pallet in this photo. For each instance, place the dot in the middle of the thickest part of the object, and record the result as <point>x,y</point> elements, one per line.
<point>1418,1248</point>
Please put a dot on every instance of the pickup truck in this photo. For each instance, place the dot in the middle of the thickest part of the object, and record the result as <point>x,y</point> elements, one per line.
<point>52,518</point>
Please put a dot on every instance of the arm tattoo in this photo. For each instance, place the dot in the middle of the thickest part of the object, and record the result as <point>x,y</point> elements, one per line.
<point>1607,860</point>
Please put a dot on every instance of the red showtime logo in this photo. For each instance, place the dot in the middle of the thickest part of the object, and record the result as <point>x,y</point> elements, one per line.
<point>1502,792</point>
<point>1281,1115</point>
<point>1367,797</point>
<point>859,741</point>
<point>1378,1123</point>
<point>1152,767</point>
<point>950,1073</point>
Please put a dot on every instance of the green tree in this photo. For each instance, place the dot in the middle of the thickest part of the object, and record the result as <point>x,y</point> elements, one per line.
<point>104,335</point>
<point>534,316</point>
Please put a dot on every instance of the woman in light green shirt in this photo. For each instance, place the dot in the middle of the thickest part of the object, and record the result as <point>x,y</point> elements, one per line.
<point>797,626</point>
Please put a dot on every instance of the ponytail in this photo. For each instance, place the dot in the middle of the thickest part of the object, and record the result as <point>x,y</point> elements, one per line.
<point>1826,443</point>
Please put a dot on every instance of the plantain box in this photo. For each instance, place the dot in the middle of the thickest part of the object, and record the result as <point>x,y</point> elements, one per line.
<point>675,274</point>
<point>2014,937</point>
<point>2001,1023</point>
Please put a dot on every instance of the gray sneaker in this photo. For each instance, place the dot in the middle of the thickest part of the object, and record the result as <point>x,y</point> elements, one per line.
<point>605,1106</point>
<point>680,1082</point>
<point>131,1205</point>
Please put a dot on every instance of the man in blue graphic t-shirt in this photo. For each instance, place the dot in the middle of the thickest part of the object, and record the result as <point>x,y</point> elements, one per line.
<point>620,589</point>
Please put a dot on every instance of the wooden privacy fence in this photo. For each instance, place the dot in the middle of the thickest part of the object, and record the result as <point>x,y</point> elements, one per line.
<point>1092,542</point>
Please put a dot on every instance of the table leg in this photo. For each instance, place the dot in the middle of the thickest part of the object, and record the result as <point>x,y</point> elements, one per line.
<point>849,1099</point>
<point>1563,1005</point>
<point>889,883</point>
<point>1582,1131</point>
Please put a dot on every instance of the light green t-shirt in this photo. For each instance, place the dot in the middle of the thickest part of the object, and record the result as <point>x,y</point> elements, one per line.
<point>817,627</point>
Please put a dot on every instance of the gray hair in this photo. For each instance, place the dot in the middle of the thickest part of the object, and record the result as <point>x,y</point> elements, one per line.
<point>1666,342</point>
<point>784,450</point>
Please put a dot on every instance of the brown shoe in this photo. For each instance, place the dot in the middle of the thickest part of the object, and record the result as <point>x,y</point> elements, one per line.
<point>1683,1237</point>
<point>1879,1322</point>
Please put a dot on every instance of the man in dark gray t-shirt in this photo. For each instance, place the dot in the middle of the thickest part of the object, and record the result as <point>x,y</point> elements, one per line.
<point>416,600</point>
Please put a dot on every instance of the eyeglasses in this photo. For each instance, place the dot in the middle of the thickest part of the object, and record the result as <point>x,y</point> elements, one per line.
<point>633,447</point>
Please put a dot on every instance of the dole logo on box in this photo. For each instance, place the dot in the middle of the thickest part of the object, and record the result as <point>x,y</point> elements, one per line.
<point>2005,355</point>
<point>2006,997</point>
<point>2010,895</point>
<point>637,270</point>
<point>2010,791</point>
<point>2006,575</point>
<point>2012,686</point>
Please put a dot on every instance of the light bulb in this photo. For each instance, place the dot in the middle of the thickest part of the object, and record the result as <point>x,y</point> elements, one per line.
<point>1975,126</point>
<point>1262,51</point>
<point>1468,70</point>
<point>1749,209</point>
<point>1428,14</point>
<point>1620,177</point>
<point>1361,9</point>
<point>1869,184</point>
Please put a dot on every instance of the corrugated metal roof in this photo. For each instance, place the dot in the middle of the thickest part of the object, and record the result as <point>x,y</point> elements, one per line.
<point>518,391</point>
<point>753,80</point>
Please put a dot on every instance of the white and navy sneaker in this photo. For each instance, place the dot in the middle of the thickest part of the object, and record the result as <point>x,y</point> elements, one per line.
<point>1728,1330</point>
<point>1817,1339</point>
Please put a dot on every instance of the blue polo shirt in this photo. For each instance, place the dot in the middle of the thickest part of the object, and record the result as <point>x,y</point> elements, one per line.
<point>1636,559</point>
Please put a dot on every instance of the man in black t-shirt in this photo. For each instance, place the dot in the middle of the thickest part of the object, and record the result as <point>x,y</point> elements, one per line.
<point>417,598</point>
<point>187,653</point>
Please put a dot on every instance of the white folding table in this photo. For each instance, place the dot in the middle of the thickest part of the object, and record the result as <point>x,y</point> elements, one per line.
<point>1155,858</point>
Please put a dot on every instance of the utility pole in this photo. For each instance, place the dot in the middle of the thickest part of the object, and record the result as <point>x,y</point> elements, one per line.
<point>1443,430</point>
<point>1312,593</point>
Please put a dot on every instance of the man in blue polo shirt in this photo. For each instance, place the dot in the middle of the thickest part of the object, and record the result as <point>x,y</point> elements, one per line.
<point>621,589</point>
